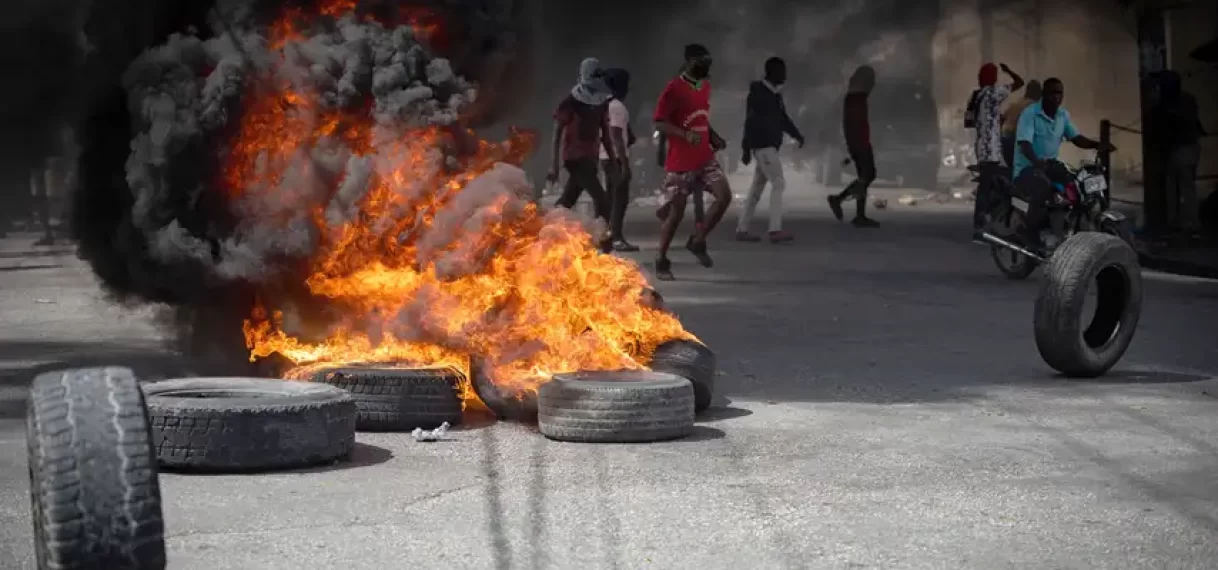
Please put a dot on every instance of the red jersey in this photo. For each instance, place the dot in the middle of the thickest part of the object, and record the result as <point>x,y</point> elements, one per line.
<point>686,106</point>
<point>855,123</point>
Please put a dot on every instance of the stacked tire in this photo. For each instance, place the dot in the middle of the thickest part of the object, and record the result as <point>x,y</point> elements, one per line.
<point>399,399</point>
<point>616,407</point>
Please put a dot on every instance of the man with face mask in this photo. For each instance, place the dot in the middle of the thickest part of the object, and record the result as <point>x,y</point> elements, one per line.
<point>581,130</point>
<point>683,115</point>
<point>765,123</point>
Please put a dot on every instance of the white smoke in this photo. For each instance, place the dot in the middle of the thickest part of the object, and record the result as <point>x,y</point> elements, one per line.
<point>185,93</point>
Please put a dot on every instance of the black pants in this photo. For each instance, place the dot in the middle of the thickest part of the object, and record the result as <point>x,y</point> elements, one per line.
<point>988,191</point>
<point>1035,184</point>
<point>864,166</point>
<point>583,175</point>
<point>1008,153</point>
<point>619,196</point>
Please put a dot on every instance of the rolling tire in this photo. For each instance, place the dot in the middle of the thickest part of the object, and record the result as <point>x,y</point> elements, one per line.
<point>691,360</point>
<point>1088,260</point>
<point>249,424</point>
<point>505,405</point>
<point>616,407</point>
<point>399,399</point>
<point>1013,266</point>
<point>94,489</point>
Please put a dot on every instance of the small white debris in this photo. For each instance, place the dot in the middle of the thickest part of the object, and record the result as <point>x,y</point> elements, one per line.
<point>958,195</point>
<point>44,301</point>
<point>421,434</point>
<point>907,200</point>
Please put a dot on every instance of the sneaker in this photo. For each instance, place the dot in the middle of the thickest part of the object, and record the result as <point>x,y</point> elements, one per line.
<point>781,237</point>
<point>978,238</point>
<point>664,269</point>
<point>606,245</point>
<point>747,237</point>
<point>698,248</point>
<point>864,222</point>
<point>623,246</point>
<point>835,204</point>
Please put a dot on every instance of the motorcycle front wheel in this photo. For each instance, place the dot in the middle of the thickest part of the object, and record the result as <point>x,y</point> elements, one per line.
<point>1014,266</point>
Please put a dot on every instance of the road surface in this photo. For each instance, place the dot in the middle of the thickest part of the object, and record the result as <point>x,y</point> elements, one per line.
<point>882,405</point>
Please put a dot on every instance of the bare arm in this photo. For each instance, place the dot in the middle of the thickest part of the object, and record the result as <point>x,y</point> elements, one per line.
<point>1016,81</point>
<point>670,130</point>
<point>607,137</point>
<point>1026,148</point>
<point>619,142</point>
<point>717,142</point>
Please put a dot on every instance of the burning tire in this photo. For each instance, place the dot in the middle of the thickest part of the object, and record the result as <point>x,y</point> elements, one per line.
<point>94,489</point>
<point>616,407</point>
<point>505,406</point>
<point>691,360</point>
<point>1015,266</point>
<point>1086,262</point>
<point>249,424</point>
<point>399,399</point>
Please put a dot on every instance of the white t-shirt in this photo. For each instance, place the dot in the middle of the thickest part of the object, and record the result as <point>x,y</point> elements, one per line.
<point>619,118</point>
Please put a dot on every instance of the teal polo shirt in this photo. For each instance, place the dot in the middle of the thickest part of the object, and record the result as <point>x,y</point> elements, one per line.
<point>1044,132</point>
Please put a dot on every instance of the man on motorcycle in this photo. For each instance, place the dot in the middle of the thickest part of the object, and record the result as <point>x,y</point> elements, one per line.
<point>1038,139</point>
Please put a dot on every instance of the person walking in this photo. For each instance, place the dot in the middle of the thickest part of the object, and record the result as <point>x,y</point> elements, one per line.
<point>581,130</point>
<point>990,98</point>
<point>1178,118</point>
<point>765,123</point>
<point>857,127</point>
<point>618,172</point>
<point>682,114</point>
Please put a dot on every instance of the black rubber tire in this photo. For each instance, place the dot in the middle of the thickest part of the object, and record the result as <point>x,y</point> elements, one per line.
<point>632,406</point>
<point>399,399</point>
<point>1064,342</point>
<point>94,489</point>
<point>1022,266</point>
<point>693,361</point>
<point>505,406</point>
<point>249,424</point>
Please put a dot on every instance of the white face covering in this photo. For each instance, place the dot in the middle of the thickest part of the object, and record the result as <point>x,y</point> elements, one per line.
<point>774,88</point>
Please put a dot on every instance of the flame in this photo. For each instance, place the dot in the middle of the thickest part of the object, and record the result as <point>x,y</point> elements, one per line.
<point>540,298</point>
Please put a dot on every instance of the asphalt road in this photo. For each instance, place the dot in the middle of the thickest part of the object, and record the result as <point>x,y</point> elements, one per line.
<point>883,406</point>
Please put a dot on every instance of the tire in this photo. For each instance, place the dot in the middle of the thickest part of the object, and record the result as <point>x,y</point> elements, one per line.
<point>691,360</point>
<point>94,489</point>
<point>399,399</point>
<point>1086,260</point>
<point>505,406</point>
<point>616,407</point>
<point>249,424</point>
<point>1013,266</point>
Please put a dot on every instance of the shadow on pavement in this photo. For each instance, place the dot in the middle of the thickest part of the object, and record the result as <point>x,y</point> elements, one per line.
<point>364,455</point>
<point>31,267</point>
<point>718,414</point>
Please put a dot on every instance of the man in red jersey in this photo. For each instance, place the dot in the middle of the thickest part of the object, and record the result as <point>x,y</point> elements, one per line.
<point>683,116</point>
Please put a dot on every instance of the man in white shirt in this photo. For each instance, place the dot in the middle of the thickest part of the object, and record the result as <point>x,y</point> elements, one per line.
<point>617,172</point>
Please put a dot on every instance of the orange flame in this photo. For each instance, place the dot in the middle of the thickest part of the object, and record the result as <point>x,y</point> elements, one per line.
<point>531,296</point>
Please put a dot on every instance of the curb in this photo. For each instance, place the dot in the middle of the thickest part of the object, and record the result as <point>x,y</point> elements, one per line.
<point>1178,267</point>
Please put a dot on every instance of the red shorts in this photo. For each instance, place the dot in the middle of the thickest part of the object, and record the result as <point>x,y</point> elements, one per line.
<point>686,183</point>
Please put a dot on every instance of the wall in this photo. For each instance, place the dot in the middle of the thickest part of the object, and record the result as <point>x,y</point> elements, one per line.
<point>1089,44</point>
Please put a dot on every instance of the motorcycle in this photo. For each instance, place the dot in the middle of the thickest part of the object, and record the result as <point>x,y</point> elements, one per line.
<point>1080,204</point>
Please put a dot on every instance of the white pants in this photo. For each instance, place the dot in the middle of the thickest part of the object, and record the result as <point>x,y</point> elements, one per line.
<point>767,168</point>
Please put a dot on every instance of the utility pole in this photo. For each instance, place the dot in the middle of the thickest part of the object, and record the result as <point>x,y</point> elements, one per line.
<point>1152,60</point>
<point>985,10</point>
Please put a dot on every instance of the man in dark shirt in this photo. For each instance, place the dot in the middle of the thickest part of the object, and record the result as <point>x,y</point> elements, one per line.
<point>765,123</point>
<point>1178,119</point>
<point>857,128</point>
<point>581,128</point>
